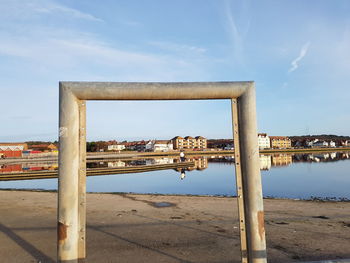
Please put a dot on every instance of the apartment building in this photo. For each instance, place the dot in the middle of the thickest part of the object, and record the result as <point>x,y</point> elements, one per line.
<point>263,141</point>
<point>280,142</point>
<point>189,142</point>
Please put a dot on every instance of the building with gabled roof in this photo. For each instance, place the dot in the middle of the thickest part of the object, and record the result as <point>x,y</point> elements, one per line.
<point>159,145</point>
<point>12,149</point>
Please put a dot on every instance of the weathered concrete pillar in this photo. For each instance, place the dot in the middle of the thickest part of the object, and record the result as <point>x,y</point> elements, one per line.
<point>68,179</point>
<point>252,187</point>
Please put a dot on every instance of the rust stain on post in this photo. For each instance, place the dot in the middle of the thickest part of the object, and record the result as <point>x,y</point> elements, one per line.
<point>261,224</point>
<point>61,231</point>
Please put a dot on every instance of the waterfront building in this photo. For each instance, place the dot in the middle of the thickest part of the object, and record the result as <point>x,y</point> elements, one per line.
<point>229,147</point>
<point>12,149</point>
<point>331,144</point>
<point>116,147</point>
<point>189,142</point>
<point>278,142</point>
<point>345,143</point>
<point>159,146</point>
<point>263,141</point>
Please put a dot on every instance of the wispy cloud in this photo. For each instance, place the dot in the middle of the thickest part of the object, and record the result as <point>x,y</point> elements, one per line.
<point>58,46</point>
<point>295,62</point>
<point>22,10</point>
<point>175,47</point>
<point>233,31</point>
<point>237,23</point>
<point>50,7</point>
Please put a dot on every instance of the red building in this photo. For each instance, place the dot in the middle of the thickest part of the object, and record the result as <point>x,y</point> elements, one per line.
<point>9,150</point>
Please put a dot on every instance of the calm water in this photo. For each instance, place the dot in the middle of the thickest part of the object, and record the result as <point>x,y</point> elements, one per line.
<point>287,176</point>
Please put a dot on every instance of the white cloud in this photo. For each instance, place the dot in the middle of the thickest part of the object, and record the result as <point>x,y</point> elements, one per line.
<point>233,32</point>
<point>295,62</point>
<point>50,7</point>
<point>237,23</point>
<point>26,10</point>
<point>175,47</point>
<point>28,38</point>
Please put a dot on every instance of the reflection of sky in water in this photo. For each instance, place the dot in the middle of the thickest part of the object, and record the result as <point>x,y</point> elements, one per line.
<point>216,179</point>
<point>298,180</point>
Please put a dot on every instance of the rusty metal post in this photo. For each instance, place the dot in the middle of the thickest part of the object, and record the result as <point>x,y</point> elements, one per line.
<point>252,187</point>
<point>239,182</point>
<point>67,228</point>
<point>82,180</point>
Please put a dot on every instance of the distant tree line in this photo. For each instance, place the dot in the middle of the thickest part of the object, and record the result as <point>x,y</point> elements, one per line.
<point>327,137</point>
<point>30,143</point>
<point>97,146</point>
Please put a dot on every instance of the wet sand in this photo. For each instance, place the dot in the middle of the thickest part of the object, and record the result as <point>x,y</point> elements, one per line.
<point>132,228</point>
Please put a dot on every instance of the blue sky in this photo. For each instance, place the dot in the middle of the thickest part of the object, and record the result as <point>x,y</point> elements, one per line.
<point>297,52</point>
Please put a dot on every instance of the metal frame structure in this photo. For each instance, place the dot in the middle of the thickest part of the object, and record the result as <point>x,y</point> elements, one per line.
<point>72,157</point>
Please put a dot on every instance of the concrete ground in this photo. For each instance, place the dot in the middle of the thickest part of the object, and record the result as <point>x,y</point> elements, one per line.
<point>130,228</point>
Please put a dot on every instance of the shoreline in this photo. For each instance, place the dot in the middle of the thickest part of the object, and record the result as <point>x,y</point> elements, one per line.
<point>311,199</point>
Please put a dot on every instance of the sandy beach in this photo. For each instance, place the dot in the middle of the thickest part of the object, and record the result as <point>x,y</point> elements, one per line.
<point>138,228</point>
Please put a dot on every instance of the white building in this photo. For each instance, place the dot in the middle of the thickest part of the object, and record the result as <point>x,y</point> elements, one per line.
<point>159,146</point>
<point>229,147</point>
<point>331,144</point>
<point>264,141</point>
<point>116,147</point>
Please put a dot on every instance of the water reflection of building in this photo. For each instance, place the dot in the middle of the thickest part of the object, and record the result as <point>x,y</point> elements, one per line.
<point>320,157</point>
<point>281,159</point>
<point>164,160</point>
<point>27,167</point>
<point>200,163</point>
<point>11,168</point>
<point>265,162</point>
<point>116,164</point>
<point>345,156</point>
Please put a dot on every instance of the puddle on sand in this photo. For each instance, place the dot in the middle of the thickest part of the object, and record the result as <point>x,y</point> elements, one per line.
<point>162,204</point>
